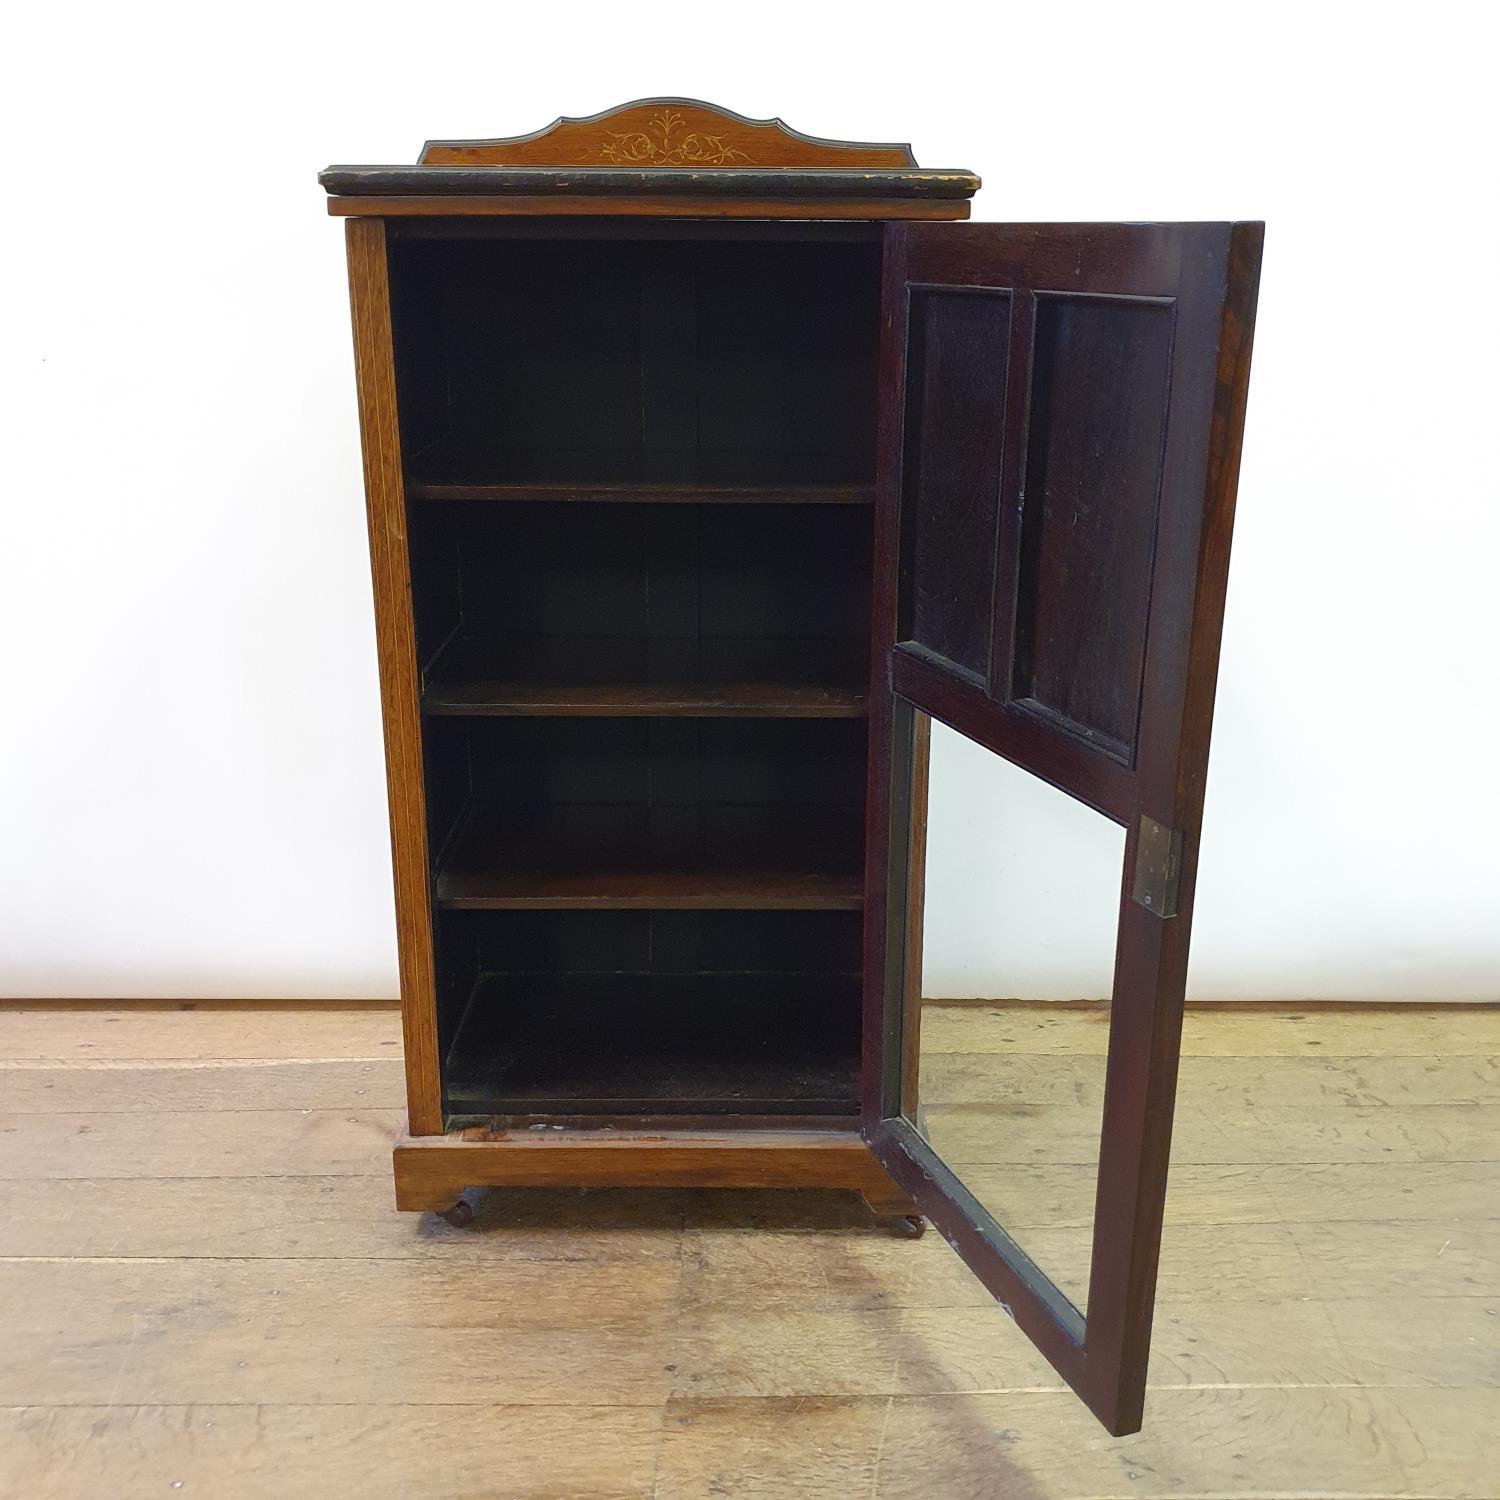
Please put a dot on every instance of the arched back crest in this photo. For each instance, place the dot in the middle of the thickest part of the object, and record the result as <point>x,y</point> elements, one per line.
<point>665,133</point>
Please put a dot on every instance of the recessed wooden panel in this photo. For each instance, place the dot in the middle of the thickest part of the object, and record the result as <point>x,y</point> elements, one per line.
<point>951,470</point>
<point>1100,376</point>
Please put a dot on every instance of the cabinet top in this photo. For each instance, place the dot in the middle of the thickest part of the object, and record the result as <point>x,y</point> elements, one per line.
<point>662,157</point>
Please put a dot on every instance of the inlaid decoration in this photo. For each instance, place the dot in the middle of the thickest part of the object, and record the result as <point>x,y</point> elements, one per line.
<point>665,142</point>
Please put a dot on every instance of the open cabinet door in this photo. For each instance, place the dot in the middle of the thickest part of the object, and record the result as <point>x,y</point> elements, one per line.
<point>1061,412</point>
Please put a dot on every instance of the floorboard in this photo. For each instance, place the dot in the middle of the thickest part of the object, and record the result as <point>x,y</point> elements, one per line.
<point>208,1291</point>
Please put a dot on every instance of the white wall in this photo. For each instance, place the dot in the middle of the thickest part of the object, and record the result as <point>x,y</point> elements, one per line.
<point>191,793</point>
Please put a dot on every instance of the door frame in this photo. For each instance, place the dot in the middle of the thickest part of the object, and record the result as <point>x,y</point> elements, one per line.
<point>1104,1355</point>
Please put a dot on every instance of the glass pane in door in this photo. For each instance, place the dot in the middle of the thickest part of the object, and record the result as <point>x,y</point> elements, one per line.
<point>1021,906</point>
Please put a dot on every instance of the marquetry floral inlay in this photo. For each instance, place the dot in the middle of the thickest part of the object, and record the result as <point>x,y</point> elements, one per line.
<point>664,143</point>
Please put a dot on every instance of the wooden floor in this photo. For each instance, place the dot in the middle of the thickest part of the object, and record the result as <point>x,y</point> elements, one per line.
<point>204,1289</point>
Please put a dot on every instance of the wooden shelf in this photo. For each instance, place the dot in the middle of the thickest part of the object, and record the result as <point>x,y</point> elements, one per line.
<point>598,678</point>
<point>726,700</point>
<point>644,491</point>
<point>698,858</point>
<point>763,1043</point>
<point>450,470</point>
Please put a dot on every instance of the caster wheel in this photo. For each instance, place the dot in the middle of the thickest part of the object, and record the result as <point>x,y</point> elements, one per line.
<point>911,1226</point>
<point>460,1216</point>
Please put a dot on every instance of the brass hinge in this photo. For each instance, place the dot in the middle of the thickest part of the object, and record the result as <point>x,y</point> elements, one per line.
<point>1158,864</point>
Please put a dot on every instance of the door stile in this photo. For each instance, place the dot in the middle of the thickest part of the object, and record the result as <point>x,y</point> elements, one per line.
<point>919,760</point>
<point>888,786</point>
<point>1152,957</point>
<point>1140,1090</point>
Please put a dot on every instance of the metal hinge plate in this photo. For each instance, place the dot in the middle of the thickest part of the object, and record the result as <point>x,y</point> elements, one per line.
<point>1158,864</point>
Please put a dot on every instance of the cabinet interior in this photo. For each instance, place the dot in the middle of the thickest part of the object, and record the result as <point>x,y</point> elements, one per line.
<point>658,1013</point>
<point>638,476</point>
<point>746,361</point>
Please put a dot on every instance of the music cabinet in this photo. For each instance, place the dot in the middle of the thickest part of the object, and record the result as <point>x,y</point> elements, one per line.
<point>705,463</point>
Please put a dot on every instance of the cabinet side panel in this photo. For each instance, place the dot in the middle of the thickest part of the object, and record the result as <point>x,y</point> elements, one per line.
<point>369,295</point>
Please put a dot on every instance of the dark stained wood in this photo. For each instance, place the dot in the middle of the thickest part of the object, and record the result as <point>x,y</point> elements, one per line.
<point>726,700</point>
<point>626,231</point>
<point>626,858</point>
<point>639,371</point>
<point>883,1051</point>
<point>609,677</point>
<point>644,1119</point>
<point>614,676</point>
<point>671,133</point>
<point>956,402</point>
<point>646,593</point>
<point>503,698</point>
<point>737,182</point>
<point>621,492</point>
<point>1095,429</point>
<point>1216,330</point>
<point>1071,764</point>
<point>656,1044</point>
<point>730,700</point>
<point>1101,622</point>
<point>916,896</point>
<point>579,1014</point>
<point>369,293</point>
<point>671,789</point>
<point>657,943</point>
<point>666,207</point>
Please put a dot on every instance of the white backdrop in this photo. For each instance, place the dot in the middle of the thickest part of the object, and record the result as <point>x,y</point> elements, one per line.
<point>190,765</point>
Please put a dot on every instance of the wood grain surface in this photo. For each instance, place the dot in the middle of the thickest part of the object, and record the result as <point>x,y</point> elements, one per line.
<point>209,1291</point>
<point>667,132</point>
<point>390,568</point>
<point>681,206</point>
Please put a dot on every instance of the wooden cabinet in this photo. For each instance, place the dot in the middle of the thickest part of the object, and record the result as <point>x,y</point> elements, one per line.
<point>705,463</point>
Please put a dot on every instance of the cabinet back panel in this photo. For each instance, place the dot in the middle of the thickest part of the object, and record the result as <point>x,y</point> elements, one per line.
<point>664,942</point>
<point>662,762</point>
<point>448,788</point>
<point>576,359</point>
<point>639,572</point>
